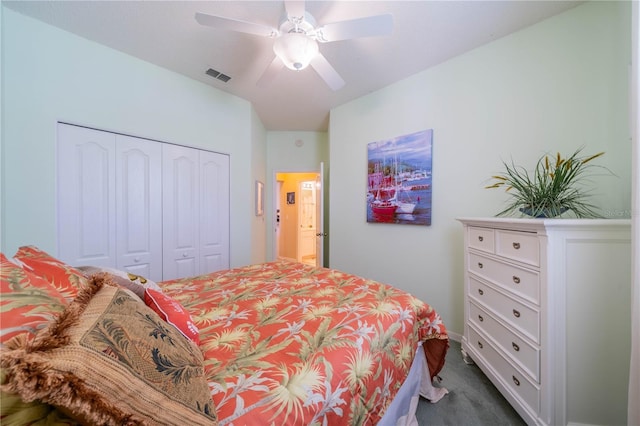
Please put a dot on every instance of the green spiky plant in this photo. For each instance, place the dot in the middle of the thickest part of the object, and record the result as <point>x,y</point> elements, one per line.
<point>552,189</point>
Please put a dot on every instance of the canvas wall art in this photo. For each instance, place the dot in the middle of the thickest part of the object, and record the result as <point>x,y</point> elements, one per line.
<point>399,179</point>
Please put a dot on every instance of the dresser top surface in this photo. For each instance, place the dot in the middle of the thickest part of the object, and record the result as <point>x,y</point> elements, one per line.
<point>541,224</point>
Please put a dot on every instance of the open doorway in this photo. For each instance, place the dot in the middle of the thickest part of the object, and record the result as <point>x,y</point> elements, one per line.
<point>298,227</point>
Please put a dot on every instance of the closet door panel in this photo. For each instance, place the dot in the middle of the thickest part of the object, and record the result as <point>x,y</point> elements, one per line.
<point>214,212</point>
<point>180,211</point>
<point>139,206</point>
<point>86,196</point>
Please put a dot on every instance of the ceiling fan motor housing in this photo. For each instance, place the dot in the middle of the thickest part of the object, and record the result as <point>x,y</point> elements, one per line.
<point>296,50</point>
<point>296,45</point>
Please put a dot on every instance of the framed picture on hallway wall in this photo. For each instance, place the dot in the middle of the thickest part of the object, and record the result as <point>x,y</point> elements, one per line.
<point>399,179</point>
<point>291,197</point>
<point>259,198</point>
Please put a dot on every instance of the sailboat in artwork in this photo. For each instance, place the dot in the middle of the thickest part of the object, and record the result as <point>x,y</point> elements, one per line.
<point>401,197</point>
<point>403,201</point>
<point>382,207</point>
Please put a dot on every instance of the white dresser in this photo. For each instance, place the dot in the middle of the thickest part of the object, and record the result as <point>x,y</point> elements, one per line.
<point>547,315</point>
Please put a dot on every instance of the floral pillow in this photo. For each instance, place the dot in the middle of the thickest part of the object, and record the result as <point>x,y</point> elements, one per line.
<point>65,278</point>
<point>28,301</point>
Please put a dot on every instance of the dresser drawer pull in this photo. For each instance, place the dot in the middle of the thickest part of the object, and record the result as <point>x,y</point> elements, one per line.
<point>480,265</point>
<point>516,313</point>
<point>480,238</point>
<point>516,246</point>
<point>480,291</point>
<point>480,318</point>
<point>480,345</point>
<point>516,279</point>
<point>515,347</point>
<point>516,381</point>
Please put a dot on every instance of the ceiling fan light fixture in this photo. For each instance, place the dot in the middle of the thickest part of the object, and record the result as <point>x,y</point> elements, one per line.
<point>296,50</point>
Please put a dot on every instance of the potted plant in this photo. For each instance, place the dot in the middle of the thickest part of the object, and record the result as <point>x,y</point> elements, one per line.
<point>554,187</point>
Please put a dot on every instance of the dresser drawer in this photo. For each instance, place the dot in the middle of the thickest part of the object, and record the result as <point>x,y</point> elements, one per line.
<point>481,239</point>
<point>521,246</point>
<point>521,317</point>
<point>524,354</point>
<point>517,383</point>
<point>523,282</point>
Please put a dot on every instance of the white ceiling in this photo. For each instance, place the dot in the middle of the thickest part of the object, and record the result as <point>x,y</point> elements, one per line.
<point>165,33</point>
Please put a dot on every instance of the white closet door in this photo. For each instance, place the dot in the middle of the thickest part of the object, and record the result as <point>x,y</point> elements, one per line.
<point>180,202</point>
<point>214,212</point>
<point>139,206</point>
<point>153,209</point>
<point>86,196</point>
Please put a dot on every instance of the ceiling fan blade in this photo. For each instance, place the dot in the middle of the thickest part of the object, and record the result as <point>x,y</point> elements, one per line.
<point>235,25</point>
<point>327,72</point>
<point>294,8</point>
<point>370,26</point>
<point>270,72</point>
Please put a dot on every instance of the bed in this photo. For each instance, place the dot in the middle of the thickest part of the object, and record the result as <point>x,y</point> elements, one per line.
<point>278,343</point>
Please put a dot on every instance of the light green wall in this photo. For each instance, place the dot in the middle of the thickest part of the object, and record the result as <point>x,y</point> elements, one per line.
<point>283,155</point>
<point>50,75</point>
<point>554,86</point>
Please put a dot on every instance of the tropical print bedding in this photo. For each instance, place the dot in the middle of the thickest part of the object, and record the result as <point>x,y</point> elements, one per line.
<point>288,344</point>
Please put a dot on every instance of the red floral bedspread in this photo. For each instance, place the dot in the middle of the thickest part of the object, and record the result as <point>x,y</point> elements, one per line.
<point>289,344</point>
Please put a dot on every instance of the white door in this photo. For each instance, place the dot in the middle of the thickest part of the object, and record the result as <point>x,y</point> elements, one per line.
<point>109,201</point>
<point>86,197</point>
<point>214,212</point>
<point>320,232</point>
<point>307,222</point>
<point>181,211</point>
<point>139,206</point>
<point>153,209</point>
<point>196,211</point>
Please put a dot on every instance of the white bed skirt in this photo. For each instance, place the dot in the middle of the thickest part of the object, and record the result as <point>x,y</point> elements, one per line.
<point>402,410</point>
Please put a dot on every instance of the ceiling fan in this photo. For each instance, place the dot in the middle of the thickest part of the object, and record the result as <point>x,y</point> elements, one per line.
<point>296,39</point>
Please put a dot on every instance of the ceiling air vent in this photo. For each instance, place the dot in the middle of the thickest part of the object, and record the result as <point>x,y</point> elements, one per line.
<point>218,75</point>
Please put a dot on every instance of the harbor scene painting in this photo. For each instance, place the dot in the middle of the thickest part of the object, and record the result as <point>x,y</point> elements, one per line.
<point>399,179</point>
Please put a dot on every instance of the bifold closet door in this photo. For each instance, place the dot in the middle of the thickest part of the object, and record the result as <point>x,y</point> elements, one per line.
<point>146,207</point>
<point>86,197</point>
<point>196,211</point>
<point>180,206</point>
<point>139,206</point>
<point>214,212</point>
<point>109,201</point>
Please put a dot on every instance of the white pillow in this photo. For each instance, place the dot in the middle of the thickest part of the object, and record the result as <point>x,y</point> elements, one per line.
<point>135,283</point>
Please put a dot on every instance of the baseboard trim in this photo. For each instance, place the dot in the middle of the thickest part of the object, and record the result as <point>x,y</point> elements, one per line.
<point>458,338</point>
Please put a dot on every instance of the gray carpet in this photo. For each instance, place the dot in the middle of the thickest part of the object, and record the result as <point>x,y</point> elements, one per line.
<point>472,398</point>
